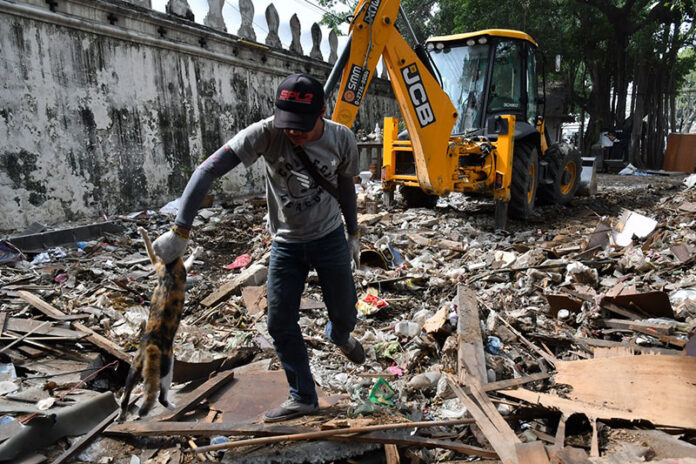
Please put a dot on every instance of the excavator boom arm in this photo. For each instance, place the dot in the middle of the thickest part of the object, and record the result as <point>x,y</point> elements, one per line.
<point>427,110</point>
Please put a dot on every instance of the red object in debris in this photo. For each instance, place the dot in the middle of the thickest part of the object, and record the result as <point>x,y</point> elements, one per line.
<point>240,261</point>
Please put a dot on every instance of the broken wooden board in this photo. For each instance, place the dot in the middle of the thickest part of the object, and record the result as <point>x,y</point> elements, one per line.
<point>661,329</point>
<point>103,343</point>
<point>191,400</point>
<point>48,309</point>
<point>15,324</point>
<point>495,429</point>
<point>194,429</point>
<point>569,407</point>
<point>533,452</point>
<point>470,356</point>
<point>660,389</point>
<point>253,275</point>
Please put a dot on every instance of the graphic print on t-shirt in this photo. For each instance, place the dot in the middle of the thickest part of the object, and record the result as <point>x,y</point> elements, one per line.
<point>302,190</point>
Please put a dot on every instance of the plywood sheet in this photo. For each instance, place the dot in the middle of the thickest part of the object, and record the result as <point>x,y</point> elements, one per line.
<point>661,389</point>
<point>253,393</point>
<point>680,155</point>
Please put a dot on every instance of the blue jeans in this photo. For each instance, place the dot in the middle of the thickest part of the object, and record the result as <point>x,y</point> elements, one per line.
<point>288,269</point>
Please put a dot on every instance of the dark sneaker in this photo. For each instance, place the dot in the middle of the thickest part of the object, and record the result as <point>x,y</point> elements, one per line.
<point>289,409</point>
<point>353,350</point>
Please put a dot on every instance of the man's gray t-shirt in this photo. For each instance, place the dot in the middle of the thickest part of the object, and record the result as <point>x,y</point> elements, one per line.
<point>299,208</point>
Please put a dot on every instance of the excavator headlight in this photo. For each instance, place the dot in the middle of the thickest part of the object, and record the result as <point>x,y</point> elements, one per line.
<point>471,42</point>
<point>483,40</point>
<point>430,46</point>
<point>439,45</point>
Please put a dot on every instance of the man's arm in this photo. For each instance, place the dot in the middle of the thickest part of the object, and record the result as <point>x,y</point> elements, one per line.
<point>216,165</point>
<point>173,243</point>
<point>349,206</point>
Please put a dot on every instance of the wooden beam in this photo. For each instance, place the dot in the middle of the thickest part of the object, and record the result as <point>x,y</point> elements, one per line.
<point>470,355</point>
<point>103,343</point>
<point>326,433</point>
<point>391,454</point>
<point>192,399</point>
<point>48,309</point>
<point>497,438</point>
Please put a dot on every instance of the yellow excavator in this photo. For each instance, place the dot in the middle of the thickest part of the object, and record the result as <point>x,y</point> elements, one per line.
<point>470,108</point>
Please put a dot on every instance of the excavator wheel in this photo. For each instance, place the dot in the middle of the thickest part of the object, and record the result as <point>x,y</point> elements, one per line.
<point>525,179</point>
<point>565,166</point>
<point>417,198</point>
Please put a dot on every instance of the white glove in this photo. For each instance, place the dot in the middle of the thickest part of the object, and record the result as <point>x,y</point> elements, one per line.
<point>169,246</point>
<point>354,247</point>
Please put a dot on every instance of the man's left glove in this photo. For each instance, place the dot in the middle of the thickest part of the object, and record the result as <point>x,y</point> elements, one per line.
<point>354,247</point>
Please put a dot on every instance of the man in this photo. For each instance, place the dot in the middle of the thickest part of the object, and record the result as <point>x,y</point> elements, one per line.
<point>304,220</point>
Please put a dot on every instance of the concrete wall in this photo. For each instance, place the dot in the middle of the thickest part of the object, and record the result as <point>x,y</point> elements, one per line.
<point>107,107</point>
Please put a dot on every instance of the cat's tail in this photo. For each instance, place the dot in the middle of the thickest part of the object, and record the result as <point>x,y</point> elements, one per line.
<point>152,361</point>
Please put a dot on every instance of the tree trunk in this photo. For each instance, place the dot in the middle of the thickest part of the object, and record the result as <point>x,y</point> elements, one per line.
<point>639,96</point>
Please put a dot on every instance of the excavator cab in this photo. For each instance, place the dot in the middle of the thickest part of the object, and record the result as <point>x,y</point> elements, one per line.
<point>486,74</point>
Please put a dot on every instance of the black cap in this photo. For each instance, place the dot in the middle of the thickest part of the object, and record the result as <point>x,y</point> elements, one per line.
<point>299,101</point>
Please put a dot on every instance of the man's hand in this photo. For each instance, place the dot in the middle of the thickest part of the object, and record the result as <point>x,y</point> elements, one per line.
<point>170,245</point>
<point>354,247</point>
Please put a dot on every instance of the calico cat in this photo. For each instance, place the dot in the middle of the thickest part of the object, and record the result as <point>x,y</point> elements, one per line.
<point>154,361</point>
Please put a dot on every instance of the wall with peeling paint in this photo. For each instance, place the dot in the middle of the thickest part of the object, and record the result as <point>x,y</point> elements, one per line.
<point>100,118</point>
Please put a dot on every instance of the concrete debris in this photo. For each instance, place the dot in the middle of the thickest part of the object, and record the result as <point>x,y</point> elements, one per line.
<point>521,344</point>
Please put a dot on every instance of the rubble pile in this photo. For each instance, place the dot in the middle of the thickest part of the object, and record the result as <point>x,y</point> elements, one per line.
<point>560,340</point>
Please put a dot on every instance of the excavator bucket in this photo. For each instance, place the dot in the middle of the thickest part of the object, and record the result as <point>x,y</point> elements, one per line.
<point>588,176</point>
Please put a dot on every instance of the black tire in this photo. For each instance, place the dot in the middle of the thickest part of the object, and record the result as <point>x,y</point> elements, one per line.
<point>417,198</point>
<point>525,180</point>
<point>565,168</point>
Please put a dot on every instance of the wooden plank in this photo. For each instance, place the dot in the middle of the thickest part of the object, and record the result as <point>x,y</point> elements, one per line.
<point>391,454</point>
<point>661,329</point>
<point>470,355</point>
<point>192,399</point>
<point>508,383</point>
<point>593,342</point>
<point>492,412</point>
<point>670,340</point>
<point>196,429</point>
<point>505,449</point>
<point>614,308</point>
<point>322,434</point>
<point>560,432</point>
<point>659,389</point>
<point>48,309</point>
<point>15,324</point>
<point>533,452</point>
<point>253,275</point>
<point>153,429</point>
<point>103,343</point>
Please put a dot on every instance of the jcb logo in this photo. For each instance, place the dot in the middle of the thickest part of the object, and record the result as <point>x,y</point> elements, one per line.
<point>419,98</point>
<point>372,11</point>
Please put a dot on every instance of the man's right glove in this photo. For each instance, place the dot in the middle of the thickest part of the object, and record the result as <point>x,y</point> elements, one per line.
<point>354,247</point>
<point>170,245</point>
